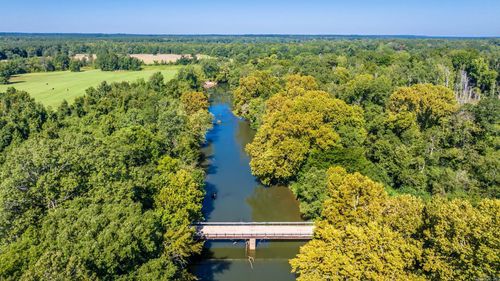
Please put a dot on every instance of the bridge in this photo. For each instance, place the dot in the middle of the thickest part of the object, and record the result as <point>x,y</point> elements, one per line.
<point>252,231</point>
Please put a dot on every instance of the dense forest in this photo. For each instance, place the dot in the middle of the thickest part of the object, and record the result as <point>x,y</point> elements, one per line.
<point>390,144</point>
<point>121,163</point>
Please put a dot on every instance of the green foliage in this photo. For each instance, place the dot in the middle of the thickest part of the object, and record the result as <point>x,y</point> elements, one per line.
<point>366,235</point>
<point>365,89</point>
<point>372,252</point>
<point>429,103</point>
<point>193,102</point>
<point>136,146</point>
<point>191,77</point>
<point>107,61</point>
<point>157,83</point>
<point>460,241</point>
<point>257,85</point>
<point>352,198</point>
<point>4,75</point>
<point>310,190</point>
<point>20,117</point>
<point>210,68</point>
<point>295,126</point>
<point>298,121</point>
<point>97,191</point>
<point>74,66</point>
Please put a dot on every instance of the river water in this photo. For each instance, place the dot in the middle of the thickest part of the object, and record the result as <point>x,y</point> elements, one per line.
<point>240,197</point>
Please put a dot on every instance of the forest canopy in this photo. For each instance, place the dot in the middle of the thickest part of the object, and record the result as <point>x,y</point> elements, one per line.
<point>104,188</point>
<point>390,144</point>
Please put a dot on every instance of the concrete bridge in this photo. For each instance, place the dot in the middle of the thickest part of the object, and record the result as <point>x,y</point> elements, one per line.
<point>252,231</point>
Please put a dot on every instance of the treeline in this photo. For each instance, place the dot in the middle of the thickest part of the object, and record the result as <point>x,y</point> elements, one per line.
<point>227,46</point>
<point>107,61</point>
<point>104,188</point>
<point>19,65</point>
<point>413,60</point>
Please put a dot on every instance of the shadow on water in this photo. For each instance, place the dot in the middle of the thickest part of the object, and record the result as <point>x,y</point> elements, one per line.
<point>240,197</point>
<point>206,270</point>
<point>208,200</point>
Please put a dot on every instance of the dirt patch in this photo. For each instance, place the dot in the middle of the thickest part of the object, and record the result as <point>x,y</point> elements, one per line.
<point>209,84</point>
<point>84,56</point>
<point>160,58</point>
<point>148,58</point>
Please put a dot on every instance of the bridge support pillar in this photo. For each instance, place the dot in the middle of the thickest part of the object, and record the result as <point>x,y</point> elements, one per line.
<point>252,244</point>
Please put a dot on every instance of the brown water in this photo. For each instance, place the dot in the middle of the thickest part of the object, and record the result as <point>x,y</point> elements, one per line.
<point>240,197</point>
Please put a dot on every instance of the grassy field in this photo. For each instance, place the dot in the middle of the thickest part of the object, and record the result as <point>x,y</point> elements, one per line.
<point>50,88</point>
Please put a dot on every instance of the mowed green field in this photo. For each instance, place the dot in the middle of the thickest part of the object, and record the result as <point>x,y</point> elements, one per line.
<point>50,88</point>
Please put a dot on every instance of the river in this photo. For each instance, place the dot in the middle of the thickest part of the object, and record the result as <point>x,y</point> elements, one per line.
<point>240,197</point>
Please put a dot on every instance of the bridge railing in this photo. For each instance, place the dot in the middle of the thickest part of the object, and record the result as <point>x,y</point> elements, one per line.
<point>254,235</point>
<point>254,223</point>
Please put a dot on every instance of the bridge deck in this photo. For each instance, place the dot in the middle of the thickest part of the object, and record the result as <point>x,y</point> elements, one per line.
<point>278,230</point>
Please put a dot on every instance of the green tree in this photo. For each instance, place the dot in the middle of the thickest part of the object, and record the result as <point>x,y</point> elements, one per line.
<point>74,66</point>
<point>258,84</point>
<point>352,198</point>
<point>156,81</point>
<point>293,127</point>
<point>365,89</point>
<point>310,190</point>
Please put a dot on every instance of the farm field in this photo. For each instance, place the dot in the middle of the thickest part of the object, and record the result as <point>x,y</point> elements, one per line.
<point>149,58</point>
<point>50,88</point>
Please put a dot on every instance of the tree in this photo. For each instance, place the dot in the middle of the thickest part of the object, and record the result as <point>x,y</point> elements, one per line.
<point>293,127</point>
<point>4,76</point>
<point>74,66</point>
<point>365,89</point>
<point>210,68</point>
<point>310,190</point>
<point>460,241</point>
<point>429,103</point>
<point>352,198</point>
<point>156,81</point>
<point>484,77</point>
<point>20,117</point>
<point>404,214</point>
<point>192,102</point>
<point>191,77</point>
<point>92,191</point>
<point>353,241</point>
<point>258,84</point>
<point>371,252</point>
<point>61,61</point>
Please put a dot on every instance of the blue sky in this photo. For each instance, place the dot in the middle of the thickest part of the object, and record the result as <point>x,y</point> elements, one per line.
<point>390,17</point>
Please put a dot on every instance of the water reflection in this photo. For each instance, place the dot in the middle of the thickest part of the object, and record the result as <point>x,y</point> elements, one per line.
<point>240,197</point>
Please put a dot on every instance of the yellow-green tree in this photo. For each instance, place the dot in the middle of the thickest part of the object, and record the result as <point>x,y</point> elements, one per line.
<point>294,126</point>
<point>353,198</point>
<point>461,242</point>
<point>353,242</point>
<point>370,252</point>
<point>178,203</point>
<point>404,214</point>
<point>429,103</point>
<point>192,102</point>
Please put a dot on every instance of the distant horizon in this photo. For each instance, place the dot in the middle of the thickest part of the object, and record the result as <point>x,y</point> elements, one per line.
<point>444,18</point>
<point>2,33</point>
